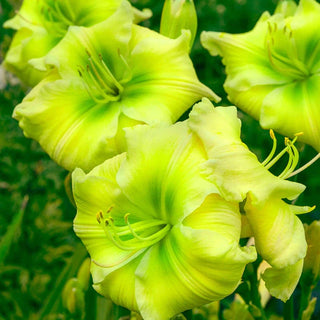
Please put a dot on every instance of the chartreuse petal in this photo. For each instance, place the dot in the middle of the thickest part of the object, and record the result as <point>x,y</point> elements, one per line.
<point>302,97</point>
<point>282,282</point>
<point>95,193</point>
<point>279,234</point>
<point>60,115</point>
<point>190,267</point>
<point>119,285</point>
<point>169,85</point>
<point>82,45</point>
<point>22,49</point>
<point>217,214</point>
<point>231,166</point>
<point>166,162</point>
<point>29,16</point>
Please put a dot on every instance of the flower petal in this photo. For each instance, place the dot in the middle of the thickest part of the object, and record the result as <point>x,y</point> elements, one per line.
<point>69,126</point>
<point>279,234</point>
<point>119,285</point>
<point>28,44</point>
<point>303,114</point>
<point>162,174</point>
<point>80,44</point>
<point>231,166</point>
<point>217,214</point>
<point>195,267</point>
<point>97,192</point>
<point>282,282</point>
<point>170,85</point>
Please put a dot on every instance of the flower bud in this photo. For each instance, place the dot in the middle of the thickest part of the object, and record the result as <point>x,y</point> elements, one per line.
<point>312,260</point>
<point>178,15</point>
<point>286,7</point>
<point>84,274</point>
<point>73,298</point>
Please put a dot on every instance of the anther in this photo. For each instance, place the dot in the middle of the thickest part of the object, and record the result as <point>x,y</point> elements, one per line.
<point>99,216</point>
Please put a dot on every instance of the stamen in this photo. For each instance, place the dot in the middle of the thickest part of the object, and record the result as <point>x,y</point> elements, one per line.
<point>136,241</point>
<point>290,149</point>
<point>99,81</point>
<point>290,161</point>
<point>295,161</point>
<point>280,154</point>
<point>273,150</point>
<point>128,75</point>
<point>290,64</point>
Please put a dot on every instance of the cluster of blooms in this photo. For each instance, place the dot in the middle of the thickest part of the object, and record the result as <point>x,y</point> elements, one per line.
<point>161,206</point>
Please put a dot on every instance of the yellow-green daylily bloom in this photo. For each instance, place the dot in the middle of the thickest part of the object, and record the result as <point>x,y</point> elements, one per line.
<point>161,238</point>
<point>97,87</point>
<point>239,176</point>
<point>273,71</point>
<point>41,24</point>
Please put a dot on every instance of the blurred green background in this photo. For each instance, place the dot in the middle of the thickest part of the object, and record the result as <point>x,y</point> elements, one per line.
<point>41,251</point>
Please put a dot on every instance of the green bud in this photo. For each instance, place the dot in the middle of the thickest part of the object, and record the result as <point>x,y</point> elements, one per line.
<point>84,274</point>
<point>176,16</point>
<point>311,265</point>
<point>73,298</point>
<point>286,7</point>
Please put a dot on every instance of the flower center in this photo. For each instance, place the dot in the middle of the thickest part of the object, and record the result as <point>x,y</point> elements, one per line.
<point>283,53</point>
<point>133,236</point>
<point>99,81</point>
<point>57,16</point>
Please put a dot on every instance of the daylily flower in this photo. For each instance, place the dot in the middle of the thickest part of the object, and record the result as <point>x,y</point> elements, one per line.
<point>161,238</point>
<point>240,177</point>
<point>41,24</point>
<point>273,71</point>
<point>162,222</point>
<point>102,80</point>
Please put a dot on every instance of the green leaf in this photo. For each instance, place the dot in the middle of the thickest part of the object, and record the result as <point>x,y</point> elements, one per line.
<point>306,315</point>
<point>10,235</point>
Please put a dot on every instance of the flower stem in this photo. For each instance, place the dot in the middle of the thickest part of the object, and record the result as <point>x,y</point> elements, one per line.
<point>188,314</point>
<point>304,299</point>
<point>288,310</point>
<point>121,313</point>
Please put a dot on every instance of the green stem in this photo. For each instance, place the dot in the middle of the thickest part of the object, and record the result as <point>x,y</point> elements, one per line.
<point>304,299</point>
<point>288,310</point>
<point>188,314</point>
<point>121,313</point>
<point>12,230</point>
